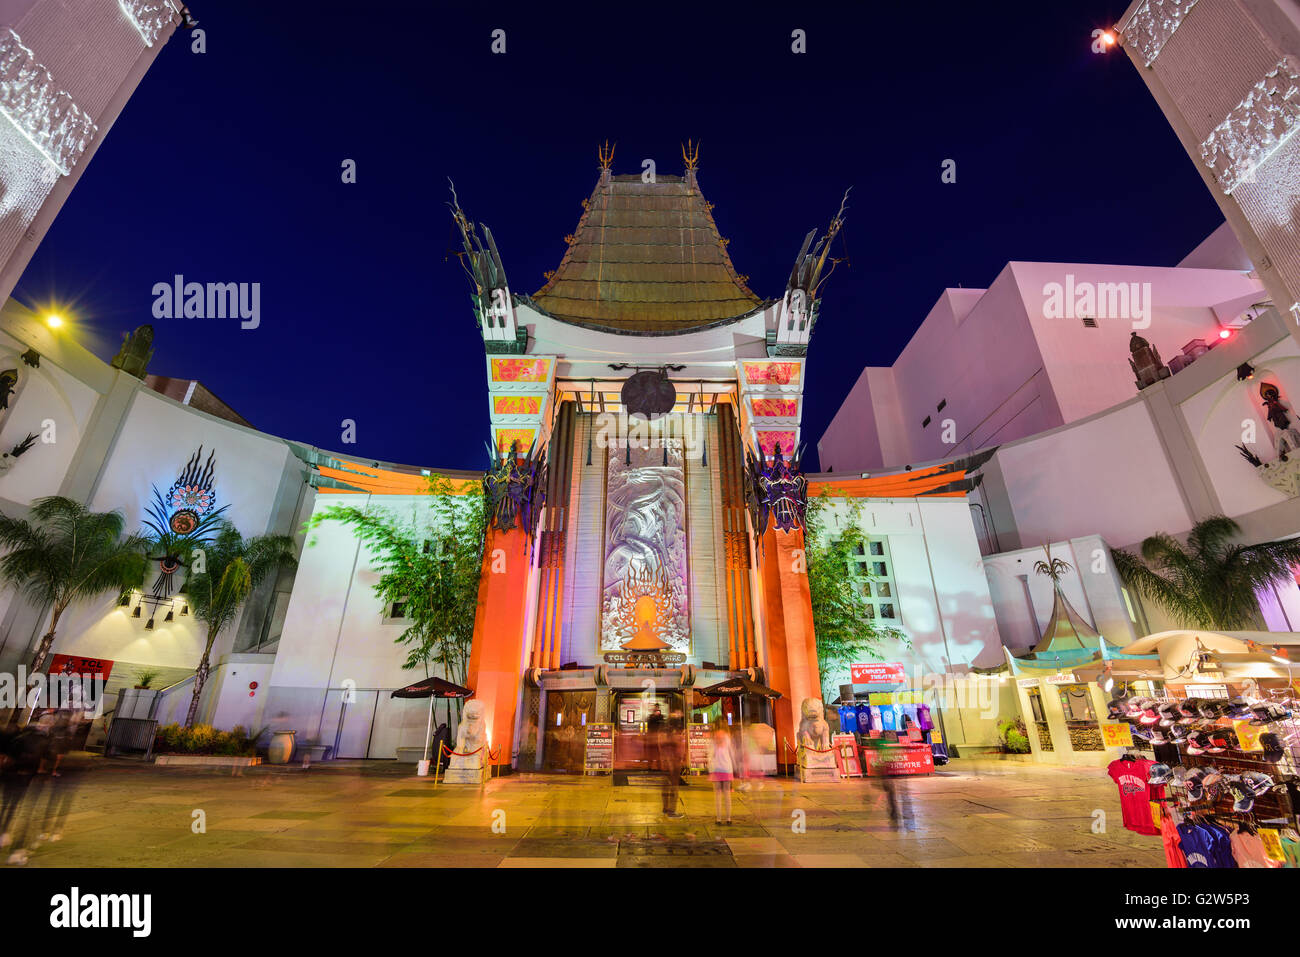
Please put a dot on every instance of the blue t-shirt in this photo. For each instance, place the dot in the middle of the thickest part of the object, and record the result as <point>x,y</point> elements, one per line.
<point>1220,847</point>
<point>1197,843</point>
<point>848,719</point>
<point>888,718</point>
<point>864,719</point>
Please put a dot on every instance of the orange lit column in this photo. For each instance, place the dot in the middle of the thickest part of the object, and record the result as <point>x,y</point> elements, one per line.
<point>791,640</point>
<point>495,660</point>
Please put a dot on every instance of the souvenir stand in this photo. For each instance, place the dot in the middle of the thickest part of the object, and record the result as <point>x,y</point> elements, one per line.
<point>894,730</point>
<point>1218,749</point>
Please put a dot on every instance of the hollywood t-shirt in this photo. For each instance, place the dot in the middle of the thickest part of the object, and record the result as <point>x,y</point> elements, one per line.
<point>1134,793</point>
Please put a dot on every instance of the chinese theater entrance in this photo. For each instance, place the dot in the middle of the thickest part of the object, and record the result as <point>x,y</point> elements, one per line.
<point>567,714</point>
<point>637,717</point>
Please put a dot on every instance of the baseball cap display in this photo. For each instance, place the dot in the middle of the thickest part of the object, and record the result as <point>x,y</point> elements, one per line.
<point>1272,745</point>
<point>1269,713</point>
<point>1160,774</point>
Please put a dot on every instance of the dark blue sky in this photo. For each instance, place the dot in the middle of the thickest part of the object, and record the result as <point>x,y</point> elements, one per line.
<point>225,167</point>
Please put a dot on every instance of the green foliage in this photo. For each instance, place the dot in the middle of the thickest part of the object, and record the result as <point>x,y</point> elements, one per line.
<point>205,739</point>
<point>147,677</point>
<point>1210,582</point>
<point>1013,737</point>
<point>64,553</point>
<point>845,632</point>
<point>438,585</point>
<point>232,568</point>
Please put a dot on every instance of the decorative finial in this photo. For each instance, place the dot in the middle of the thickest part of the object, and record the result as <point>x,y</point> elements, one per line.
<point>606,155</point>
<point>691,155</point>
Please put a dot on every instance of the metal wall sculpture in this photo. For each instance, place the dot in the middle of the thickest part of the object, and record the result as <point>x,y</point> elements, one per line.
<point>515,487</point>
<point>181,521</point>
<point>778,490</point>
<point>644,598</point>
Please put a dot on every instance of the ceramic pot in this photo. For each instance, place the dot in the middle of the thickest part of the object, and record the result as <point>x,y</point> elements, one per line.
<point>281,747</point>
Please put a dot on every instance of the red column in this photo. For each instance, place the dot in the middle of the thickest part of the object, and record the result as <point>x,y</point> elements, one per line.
<point>791,638</point>
<point>495,661</point>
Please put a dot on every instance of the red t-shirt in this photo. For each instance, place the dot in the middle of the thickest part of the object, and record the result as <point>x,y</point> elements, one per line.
<point>1134,793</point>
<point>1173,847</point>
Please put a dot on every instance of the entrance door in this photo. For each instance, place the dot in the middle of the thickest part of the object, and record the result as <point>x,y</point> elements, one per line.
<point>636,713</point>
<point>564,741</point>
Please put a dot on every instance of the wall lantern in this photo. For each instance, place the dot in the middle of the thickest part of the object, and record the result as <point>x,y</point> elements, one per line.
<point>1245,371</point>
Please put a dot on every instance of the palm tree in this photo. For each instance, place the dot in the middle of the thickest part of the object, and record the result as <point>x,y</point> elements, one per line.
<point>1209,582</point>
<point>66,553</point>
<point>232,568</point>
<point>1053,568</point>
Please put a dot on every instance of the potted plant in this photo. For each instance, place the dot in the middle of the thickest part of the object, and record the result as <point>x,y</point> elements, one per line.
<point>146,678</point>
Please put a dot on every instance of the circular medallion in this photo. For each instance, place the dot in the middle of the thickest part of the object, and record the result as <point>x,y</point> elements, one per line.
<point>184,521</point>
<point>648,393</point>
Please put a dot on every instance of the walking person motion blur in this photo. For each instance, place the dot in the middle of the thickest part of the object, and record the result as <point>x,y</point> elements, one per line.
<point>882,769</point>
<point>722,769</point>
<point>64,775</point>
<point>670,762</point>
<point>23,752</point>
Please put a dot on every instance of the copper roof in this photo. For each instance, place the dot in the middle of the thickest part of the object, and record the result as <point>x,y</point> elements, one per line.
<point>646,258</point>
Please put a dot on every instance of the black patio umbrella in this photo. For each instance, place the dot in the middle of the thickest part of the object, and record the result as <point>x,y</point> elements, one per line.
<point>737,686</point>
<point>434,687</point>
<point>431,688</point>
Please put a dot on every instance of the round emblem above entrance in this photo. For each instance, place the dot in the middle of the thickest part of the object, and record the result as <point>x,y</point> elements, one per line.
<point>648,393</point>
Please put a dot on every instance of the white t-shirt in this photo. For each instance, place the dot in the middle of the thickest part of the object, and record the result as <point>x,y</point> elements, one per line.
<point>721,757</point>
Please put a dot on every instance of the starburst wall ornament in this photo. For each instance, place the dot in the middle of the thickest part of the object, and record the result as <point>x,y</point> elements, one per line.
<point>183,519</point>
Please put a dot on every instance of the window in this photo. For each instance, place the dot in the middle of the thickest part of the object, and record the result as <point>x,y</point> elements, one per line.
<point>926,422</point>
<point>943,404</point>
<point>1089,323</point>
<point>872,561</point>
<point>397,610</point>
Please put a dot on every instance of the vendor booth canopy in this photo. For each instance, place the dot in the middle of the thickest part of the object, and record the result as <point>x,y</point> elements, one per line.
<point>432,688</point>
<point>737,686</point>
<point>1182,651</point>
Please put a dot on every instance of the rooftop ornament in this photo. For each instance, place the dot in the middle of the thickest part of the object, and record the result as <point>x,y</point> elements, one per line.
<point>515,488</point>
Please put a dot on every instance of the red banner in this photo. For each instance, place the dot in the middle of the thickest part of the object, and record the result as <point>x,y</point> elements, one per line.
<point>900,759</point>
<point>77,665</point>
<point>878,673</point>
<point>846,755</point>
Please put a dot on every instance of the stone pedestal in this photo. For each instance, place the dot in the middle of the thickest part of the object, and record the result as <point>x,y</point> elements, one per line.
<point>815,768</point>
<point>465,775</point>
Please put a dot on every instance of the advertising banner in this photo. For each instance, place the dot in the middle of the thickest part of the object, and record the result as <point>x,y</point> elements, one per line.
<point>917,759</point>
<point>878,673</point>
<point>599,754</point>
<point>846,755</point>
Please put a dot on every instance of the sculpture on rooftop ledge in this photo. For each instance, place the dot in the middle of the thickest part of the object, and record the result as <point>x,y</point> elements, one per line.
<point>1285,439</point>
<point>7,459</point>
<point>1144,359</point>
<point>515,488</point>
<point>778,490</point>
<point>137,349</point>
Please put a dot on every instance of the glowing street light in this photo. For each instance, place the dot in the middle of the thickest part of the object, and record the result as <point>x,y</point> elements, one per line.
<point>54,320</point>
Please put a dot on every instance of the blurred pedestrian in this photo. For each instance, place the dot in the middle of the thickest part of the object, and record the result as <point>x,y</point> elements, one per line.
<point>670,762</point>
<point>25,750</point>
<point>722,769</point>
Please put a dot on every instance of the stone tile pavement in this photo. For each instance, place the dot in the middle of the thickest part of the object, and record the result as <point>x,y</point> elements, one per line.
<point>374,814</point>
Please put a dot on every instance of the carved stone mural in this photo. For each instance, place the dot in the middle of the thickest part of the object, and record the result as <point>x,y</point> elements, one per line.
<point>644,597</point>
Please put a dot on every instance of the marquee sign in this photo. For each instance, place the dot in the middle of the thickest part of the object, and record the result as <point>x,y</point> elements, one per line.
<point>878,673</point>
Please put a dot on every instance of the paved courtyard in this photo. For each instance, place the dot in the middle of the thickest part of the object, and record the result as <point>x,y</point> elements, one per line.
<point>970,814</point>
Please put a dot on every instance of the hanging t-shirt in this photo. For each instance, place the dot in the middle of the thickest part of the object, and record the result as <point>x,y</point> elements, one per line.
<point>848,719</point>
<point>1291,849</point>
<point>1220,846</point>
<point>1248,851</point>
<point>1169,837</point>
<point>888,718</point>
<point>864,719</point>
<point>1134,793</point>
<point>923,717</point>
<point>1196,842</point>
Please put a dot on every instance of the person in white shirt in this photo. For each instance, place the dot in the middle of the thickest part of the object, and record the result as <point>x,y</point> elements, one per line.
<point>722,769</point>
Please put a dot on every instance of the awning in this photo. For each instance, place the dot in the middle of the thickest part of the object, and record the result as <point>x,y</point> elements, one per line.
<point>434,687</point>
<point>737,686</point>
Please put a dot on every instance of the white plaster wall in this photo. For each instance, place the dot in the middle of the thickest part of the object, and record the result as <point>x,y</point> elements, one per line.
<point>1106,476</point>
<point>943,596</point>
<point>44,393</point>
<point>1094,594</point>
<point>1218,415</point>
<point>156,440</point>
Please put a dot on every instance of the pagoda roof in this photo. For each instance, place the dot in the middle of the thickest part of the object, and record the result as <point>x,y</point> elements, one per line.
<point>1066,629</point>
<point>646,259</point>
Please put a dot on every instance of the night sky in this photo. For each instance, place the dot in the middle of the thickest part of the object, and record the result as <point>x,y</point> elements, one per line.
<point>225,167</point>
